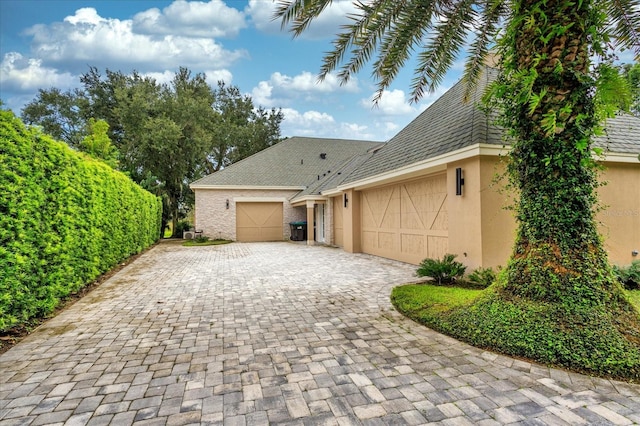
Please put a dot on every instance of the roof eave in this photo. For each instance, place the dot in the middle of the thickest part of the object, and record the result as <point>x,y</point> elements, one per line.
<point>252,187</point>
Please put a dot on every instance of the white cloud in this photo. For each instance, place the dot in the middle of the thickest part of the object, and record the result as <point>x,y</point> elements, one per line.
<point>282,89</point>
<point>261,94</point>
<point>326,25</point>
<point>192,19</point>
<point>20,74</point>
<point>214,76</point>
<point>306,119</point>
<point>88,38</point>
<point>392,102</point>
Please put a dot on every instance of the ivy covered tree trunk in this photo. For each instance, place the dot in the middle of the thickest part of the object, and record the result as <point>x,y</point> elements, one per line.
<point>558,253</point>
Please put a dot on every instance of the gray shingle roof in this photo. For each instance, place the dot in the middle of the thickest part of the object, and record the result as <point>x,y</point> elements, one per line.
<point>294,162</point>
<point>450,124</point>
<point>621,135</point>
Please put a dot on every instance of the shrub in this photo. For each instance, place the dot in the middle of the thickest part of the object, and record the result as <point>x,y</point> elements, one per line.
<point>482,277</point>
<point>629,276</point>
<point>442,271</point>
<point>64,220</point>
<point>201,239</point>
<point>181,226</point>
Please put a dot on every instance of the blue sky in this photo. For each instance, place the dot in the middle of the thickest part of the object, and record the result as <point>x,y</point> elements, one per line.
<point>48,43</point>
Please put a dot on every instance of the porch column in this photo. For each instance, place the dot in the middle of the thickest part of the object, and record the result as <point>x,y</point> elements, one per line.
<point>310,221</point>
<point>351,221</point>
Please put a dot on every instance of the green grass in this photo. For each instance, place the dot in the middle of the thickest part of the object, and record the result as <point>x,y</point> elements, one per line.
<point>634,298</point>
<point>438,298</point>
<point>195,243</point>
<point>587,339</point>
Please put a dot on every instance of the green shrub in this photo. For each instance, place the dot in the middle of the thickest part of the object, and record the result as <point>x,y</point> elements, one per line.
<point>629,276</point>
<point>64,220</point>
<point>482,277</point>
<point>181,226</point>
<point>201,239</point>
<point>442,271</point>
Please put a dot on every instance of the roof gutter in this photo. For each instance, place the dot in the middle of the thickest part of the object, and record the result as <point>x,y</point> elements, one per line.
<point>439,163</point>
<point>431,165</point>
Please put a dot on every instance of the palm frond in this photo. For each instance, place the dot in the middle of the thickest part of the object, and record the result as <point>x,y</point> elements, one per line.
<point>299,13</point>
<point>398,44</point>
<point>362,37</point>
<point>624,24</point>
<point>490,15</point>
<point>442,50</point>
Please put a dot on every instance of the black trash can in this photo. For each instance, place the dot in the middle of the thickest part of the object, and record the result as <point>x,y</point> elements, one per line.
<point>298,231</point>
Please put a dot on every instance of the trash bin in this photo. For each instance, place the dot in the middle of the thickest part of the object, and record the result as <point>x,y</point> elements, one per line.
<point>298,231</point>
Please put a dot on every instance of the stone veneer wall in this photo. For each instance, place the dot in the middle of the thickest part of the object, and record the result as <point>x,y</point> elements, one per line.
<point>216,221</point>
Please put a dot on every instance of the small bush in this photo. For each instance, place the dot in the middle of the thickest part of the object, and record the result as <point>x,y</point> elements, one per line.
<point>442,271</point>
<point>201,239</point>
<point>482,277</point>
<point>629,276</point>
<point>181,226</point>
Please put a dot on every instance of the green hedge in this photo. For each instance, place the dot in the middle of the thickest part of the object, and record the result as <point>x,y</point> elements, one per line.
<point>64,220</point>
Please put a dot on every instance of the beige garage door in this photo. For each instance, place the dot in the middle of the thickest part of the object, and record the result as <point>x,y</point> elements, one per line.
<point>259,222</point>
<point>406,221</point>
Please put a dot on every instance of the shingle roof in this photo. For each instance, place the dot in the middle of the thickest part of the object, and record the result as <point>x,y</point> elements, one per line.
<point>621,135</point>
<point>450,124</point>
<point>293,162</point>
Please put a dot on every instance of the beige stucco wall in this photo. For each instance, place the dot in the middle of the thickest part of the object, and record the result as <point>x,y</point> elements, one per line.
<point>481,230</point>
<point>216,221</point>
<point>482,227</point>
<point>620,219</point>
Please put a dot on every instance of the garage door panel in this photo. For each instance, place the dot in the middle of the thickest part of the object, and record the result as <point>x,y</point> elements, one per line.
<point>259,222</point>
<point>406,221</point>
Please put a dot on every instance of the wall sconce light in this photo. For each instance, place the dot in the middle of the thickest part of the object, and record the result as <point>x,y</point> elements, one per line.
<point>346,200</point>
<point>634,253</point>
<point>227,204</point>
<point>459,181</point>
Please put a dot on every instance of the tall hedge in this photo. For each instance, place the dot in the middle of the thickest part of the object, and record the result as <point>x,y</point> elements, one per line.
<point>64,220</point>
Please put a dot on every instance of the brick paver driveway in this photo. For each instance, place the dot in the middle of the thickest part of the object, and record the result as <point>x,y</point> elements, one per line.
<point>275,333</point>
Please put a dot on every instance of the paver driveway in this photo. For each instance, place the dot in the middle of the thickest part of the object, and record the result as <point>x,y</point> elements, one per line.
<point>275,333</point>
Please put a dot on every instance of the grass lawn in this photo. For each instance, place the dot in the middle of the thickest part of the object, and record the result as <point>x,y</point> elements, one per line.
<point>581,339</point>
<point>441,298</point>
<point>634,297</point>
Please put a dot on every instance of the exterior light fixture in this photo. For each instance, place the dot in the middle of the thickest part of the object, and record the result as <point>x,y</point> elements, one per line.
<point>346,200</point>
<point>459,181</point>
<point>227,204</point>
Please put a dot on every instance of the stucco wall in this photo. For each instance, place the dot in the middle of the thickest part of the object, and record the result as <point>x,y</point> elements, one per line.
<point>620,217</point>
<point>216,221</point>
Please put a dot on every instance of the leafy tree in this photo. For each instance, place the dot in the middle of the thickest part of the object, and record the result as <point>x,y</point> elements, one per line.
<point>545,94</point>
<point>60,114</point>
<point>631,73</point>
<point>98,145</point>
<point>167,135</point>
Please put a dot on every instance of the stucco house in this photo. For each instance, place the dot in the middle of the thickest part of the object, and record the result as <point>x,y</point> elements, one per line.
<point>430,190</point>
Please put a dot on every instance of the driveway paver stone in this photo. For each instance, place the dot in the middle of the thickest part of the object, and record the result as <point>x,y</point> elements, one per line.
<point>276,333</point>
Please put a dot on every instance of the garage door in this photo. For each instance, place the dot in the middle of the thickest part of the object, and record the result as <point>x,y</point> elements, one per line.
<point>406,221</point>
<point>259,222</point>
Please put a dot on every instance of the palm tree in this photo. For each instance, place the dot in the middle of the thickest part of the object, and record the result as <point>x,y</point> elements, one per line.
<point>545,93</point>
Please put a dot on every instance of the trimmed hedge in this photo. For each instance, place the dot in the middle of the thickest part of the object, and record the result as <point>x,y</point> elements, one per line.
<point>64,220</point>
